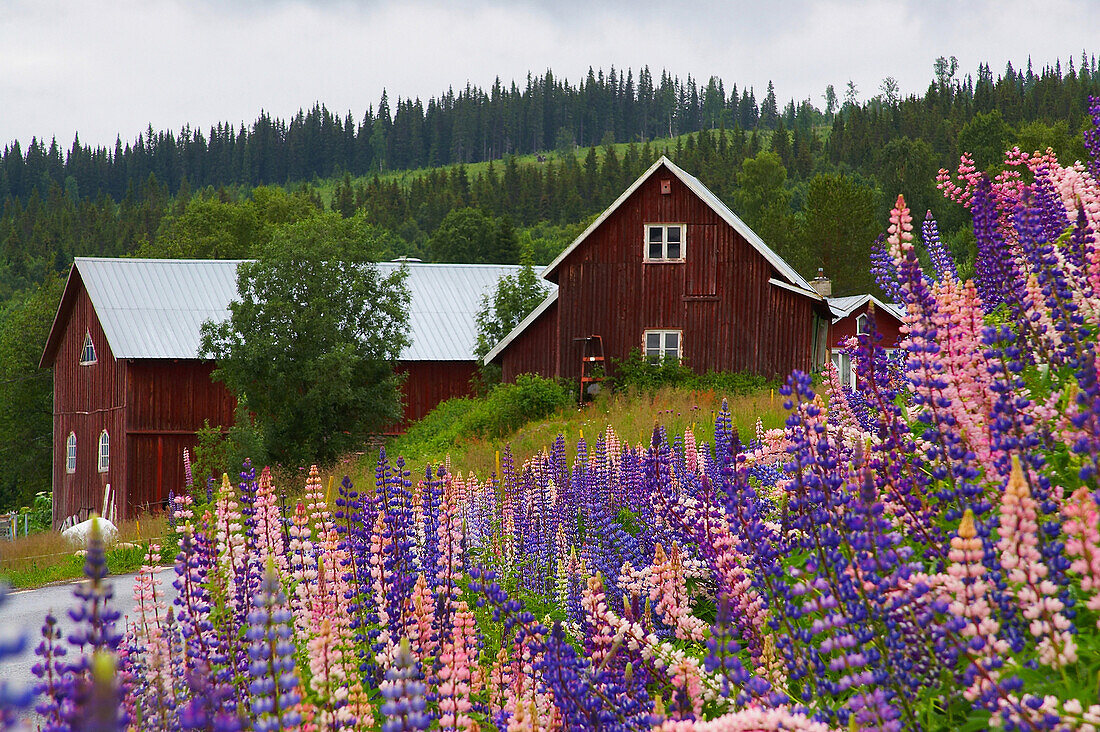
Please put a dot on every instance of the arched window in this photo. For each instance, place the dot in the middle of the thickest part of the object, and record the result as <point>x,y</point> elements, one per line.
<point>863,325</point>
<point>70,453</point>
<point>104,451</point>
<point>87,354</point>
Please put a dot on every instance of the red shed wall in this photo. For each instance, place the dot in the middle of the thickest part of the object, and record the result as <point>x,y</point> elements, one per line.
<point>887,325</point>
<point>732,318</point>
<point>535,350</point>
<point>168,401</point>
<point>87,400</point>
<point>427,383</point>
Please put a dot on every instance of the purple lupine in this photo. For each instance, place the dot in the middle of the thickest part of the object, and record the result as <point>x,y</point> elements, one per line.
<point>1092,137</point>
<point>942,262</point>
<point>274,683</point>
<point>55,687</point>
<point>405,697</point>
<point>994,267</point>
<point>884,270</point>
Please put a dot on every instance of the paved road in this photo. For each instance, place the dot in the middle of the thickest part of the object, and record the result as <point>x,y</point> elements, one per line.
<point>24,610</point>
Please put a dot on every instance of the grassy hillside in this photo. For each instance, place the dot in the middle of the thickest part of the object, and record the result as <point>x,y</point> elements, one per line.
<point>632,415</point>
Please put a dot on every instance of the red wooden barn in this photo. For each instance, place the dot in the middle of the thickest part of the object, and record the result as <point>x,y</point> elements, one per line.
<point>851,318</point>
<point>130,391</point>
<point>670,270</point>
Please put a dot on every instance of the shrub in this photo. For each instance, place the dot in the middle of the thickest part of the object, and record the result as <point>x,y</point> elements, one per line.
<point>505,408</point>
<point>638,373</point>
<point>510,406</point>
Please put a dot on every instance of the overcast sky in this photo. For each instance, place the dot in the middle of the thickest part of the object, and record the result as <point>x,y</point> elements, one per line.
<point>107,68</point>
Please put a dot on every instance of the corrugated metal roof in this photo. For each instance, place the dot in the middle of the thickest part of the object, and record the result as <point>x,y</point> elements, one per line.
<point>154,308</point>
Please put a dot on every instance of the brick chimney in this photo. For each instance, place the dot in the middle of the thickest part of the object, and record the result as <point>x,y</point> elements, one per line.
<point>822,285</point>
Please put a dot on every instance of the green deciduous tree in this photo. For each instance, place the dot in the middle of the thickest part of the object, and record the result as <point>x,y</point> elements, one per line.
<point>514,298</point>
<point>26,394</point>
<point>310,344</point>
<point>837,225</point>
<point>471,236</point>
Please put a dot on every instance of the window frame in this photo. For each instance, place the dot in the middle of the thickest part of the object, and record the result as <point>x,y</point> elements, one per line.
<point>863,324</point>
<point>88,345</point>
<point>70,453</point>
<point>104,461</point>
<point>663,351</point>
<point>664,227</point>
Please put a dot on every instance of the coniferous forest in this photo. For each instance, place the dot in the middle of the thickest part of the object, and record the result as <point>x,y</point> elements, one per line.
<point>814,177</point>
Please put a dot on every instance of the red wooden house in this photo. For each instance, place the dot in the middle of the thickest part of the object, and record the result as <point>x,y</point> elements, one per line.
<point>851,318</point>
<point>130,391</point>
<point>670,270</point>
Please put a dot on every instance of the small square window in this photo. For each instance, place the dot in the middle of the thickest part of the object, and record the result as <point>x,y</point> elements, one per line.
<point>87,353</point>
<point>662,344</point>
<point>664,242</point>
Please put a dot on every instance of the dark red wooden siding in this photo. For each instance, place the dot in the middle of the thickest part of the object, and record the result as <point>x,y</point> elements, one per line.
<point>87,400</point>
<point>886,324</point>
<point>167,402</point>
<point>731,317</point>
<point>427,383</point>
<point>535,351</point>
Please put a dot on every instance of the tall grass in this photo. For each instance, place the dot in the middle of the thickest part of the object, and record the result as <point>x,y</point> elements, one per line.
<point>38,559</point>
<point>632,415</point>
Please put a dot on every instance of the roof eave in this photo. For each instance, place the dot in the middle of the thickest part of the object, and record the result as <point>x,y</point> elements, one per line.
<point>520,327</point>
<point>60,318</point>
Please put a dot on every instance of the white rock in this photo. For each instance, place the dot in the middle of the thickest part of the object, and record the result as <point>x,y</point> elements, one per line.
<point>78,535</point>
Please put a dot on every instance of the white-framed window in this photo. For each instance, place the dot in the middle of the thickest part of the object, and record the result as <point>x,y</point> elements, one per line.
<point>104,451</point>
<point>843,363</point>
<point>863,324</point>
<point>87,353</point>
<point>70,453</point>
<point>661,344</point>
<point>665,242</point>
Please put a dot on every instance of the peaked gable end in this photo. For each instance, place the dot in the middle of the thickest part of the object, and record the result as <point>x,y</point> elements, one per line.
<point>786,273</point>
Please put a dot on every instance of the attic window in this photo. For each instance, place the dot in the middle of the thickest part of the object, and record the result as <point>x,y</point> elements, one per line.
<point>87,354</point>
<point>664,242</point>
<point>862,327</point>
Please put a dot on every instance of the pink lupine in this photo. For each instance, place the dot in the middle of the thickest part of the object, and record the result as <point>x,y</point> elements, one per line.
<point>269,528</point>
<point>965,589</point>
<point>668,591</point>
<point>1026,573</point>
<point>317,507</point>
<point>457,682</point>
<point>327,678</point>
<point>232,548</point>
<point>422,620</point>
<point>754,719</point>
<point>838,407</point>
<point>1082,529</point>
<point>968,175</point>
<point>303,571</point>
<point>959,325</point>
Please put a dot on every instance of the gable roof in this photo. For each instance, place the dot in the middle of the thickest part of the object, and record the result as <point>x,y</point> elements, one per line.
<point>155,308</point>
<point>785,270</point>
<point>842,307</point>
